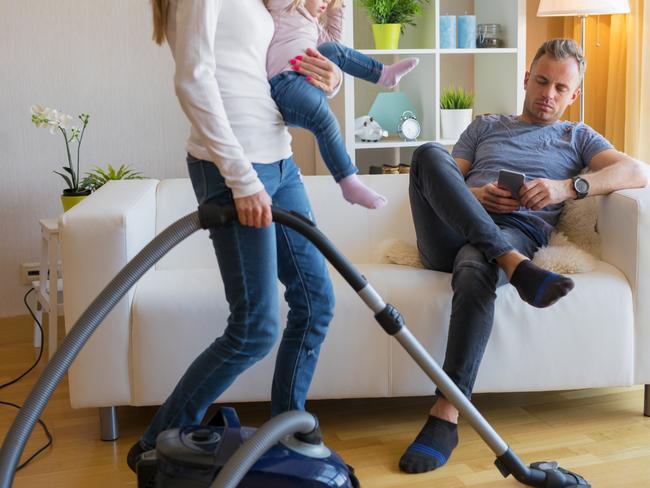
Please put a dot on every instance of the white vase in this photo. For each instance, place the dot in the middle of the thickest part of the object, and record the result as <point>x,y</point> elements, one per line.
<point>454,122</point>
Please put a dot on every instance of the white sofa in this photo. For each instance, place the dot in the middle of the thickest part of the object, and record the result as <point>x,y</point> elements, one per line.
<point>597,336</point>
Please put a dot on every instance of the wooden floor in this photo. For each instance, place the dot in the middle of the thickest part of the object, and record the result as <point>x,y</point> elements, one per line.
<point>599,433</point>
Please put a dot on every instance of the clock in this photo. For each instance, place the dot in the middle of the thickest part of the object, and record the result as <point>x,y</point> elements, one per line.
<point>408,126</point>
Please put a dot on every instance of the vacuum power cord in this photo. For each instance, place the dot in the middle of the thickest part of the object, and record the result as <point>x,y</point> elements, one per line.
<point>15,380</point>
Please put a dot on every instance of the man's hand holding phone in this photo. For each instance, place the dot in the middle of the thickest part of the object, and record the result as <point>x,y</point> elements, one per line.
<point>495,199</point>
<point>501,196</point>
<point>512,191</point>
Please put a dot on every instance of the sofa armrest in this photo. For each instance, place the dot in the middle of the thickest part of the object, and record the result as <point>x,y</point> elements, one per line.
<point>624,226</point>
<point>98,237</point>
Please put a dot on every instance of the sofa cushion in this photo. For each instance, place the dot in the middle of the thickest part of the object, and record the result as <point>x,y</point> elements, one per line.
<point>584,340</point>
<point>175,198</point>
<point>356,231</point>
<point>176,313</point>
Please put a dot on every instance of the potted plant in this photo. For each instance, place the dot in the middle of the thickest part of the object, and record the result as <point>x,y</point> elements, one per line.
<point>455,112</point>
<point>98,177</point>
<point>57,121</point>
<point>389,18</point>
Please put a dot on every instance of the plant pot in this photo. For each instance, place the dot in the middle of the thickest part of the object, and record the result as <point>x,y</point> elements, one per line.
<point>386,35</point>
<point>454,122</point>
<point>70,198</point>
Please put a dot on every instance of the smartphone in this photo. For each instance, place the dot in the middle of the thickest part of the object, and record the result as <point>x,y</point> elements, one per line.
<point>511,180</point>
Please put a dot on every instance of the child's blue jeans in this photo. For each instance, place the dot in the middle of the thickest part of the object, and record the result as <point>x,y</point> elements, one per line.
<point>304,105</point>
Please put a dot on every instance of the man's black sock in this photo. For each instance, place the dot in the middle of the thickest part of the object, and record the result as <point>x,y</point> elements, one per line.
<point>538,286</point>
<point>431,448</point>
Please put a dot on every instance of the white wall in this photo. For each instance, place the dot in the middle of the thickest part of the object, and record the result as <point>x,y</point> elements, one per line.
<point>91,56</point>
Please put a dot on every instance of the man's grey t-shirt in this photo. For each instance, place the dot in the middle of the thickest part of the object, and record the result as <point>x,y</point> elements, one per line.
<point>556,151</point>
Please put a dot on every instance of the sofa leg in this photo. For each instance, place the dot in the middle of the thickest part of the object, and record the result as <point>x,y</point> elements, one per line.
<point>108,424</point>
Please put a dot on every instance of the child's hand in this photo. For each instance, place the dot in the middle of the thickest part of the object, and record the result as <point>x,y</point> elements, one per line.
<point>334,5</point>
<point>319,70</point>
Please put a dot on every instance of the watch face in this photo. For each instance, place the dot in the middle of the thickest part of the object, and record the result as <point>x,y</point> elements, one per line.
<point>410,129</point>
<point>581,186</point>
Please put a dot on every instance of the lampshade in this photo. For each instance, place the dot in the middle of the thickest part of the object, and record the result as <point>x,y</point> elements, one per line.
<point>388,107</point>
<point>561,8</point>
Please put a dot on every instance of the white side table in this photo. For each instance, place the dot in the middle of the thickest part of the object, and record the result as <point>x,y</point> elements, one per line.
<point>49,298</point>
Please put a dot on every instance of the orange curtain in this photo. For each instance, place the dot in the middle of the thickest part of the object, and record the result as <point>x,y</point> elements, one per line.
<point>605,79</point>
<point>637,133</point>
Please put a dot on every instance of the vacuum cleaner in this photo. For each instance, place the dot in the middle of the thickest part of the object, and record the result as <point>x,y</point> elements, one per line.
<point>202,456</point>
<point>286,452</point>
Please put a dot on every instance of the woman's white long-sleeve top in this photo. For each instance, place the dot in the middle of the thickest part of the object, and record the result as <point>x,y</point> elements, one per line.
<point>220,48</point>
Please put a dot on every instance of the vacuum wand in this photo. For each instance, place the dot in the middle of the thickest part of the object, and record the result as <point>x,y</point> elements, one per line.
<point>541,474</point>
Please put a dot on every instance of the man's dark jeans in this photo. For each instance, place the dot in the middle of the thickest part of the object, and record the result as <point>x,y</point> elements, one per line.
<point>456,234</point>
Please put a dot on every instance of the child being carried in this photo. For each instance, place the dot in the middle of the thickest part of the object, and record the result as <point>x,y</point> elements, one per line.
<point>301,100</point>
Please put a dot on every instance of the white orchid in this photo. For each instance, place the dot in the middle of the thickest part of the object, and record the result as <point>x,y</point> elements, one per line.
<point>51,118</point>
<point>65,121</point>
<point>54,120</point>
<point>41,116</point>
<point>39,110</point>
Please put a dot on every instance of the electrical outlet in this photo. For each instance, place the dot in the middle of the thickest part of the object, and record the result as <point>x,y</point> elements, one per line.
<point>29,272</point>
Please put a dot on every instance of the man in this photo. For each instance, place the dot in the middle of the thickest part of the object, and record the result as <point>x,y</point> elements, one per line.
<point>485,236</point>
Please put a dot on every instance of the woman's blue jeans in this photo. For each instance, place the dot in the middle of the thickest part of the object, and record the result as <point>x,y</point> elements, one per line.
<point>251,261</point>
<point>304,105</point>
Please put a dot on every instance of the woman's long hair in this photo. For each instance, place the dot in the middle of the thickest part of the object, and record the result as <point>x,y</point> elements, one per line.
<point>160,9</point>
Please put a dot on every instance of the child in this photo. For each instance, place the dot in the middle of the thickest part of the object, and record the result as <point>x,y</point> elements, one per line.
<point>298,26</point>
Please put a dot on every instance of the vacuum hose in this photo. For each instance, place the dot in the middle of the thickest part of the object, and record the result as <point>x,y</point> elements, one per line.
<point>255,446</point>
<point>208,216</point>
<point>21,429</point>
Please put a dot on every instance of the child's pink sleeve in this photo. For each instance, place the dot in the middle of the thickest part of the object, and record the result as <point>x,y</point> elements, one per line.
<point>333,28</point>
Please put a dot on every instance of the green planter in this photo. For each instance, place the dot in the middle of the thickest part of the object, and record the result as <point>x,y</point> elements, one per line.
<point>386,35</point>
<point>70,199</point>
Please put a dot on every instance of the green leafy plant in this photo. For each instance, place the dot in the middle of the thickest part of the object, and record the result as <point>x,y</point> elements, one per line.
<point>456,99</point>
<point>393,11</point>
<point>99,177</point>
<point>54,120</point>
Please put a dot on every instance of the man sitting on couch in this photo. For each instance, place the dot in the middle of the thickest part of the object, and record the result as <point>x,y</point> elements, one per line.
<point>485,236</point>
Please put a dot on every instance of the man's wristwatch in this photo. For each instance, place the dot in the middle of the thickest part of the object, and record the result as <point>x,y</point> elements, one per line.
<point>581,187</point>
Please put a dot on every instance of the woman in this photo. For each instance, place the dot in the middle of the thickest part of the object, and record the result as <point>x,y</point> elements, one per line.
<point>239,150</point>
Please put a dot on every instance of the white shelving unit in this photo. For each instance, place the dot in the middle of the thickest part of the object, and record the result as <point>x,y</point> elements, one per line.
<point>494,75</point>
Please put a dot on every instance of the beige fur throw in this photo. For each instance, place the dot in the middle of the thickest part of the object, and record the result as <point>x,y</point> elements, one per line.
<point>574,246</point>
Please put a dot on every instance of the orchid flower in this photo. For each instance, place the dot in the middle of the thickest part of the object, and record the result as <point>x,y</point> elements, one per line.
<point>52,119</point>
